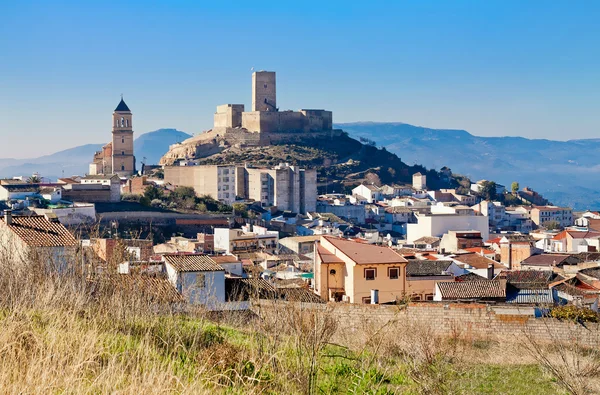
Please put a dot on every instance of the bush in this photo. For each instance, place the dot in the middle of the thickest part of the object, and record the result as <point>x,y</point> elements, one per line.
<point>574,313</point>
<point>156,203</point>
<point>144,201</point>
<point>130,197</point>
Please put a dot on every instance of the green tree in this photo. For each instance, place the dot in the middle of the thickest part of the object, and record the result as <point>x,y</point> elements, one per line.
<point>152,192</point>
<point>144,201</point>
<point>488,190</point>
<point>514,187</point>
<point>34,179</point>
<point>240,209</point>
<point>184,193</point>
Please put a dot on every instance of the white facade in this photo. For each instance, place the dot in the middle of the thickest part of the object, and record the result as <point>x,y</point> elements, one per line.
<point>235,241</point>
<point>226,184</point>
<point>79,213</point>
<point>205,288</point>
<point>438,224</point>
<point>419,181</point>
<point>369,192</point>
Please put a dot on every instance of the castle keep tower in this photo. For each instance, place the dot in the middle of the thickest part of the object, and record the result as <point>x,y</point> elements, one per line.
<point>123,161</point>
<point>264,94</point>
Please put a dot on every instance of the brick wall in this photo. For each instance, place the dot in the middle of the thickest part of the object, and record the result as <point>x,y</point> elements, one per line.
<point>468,320</point>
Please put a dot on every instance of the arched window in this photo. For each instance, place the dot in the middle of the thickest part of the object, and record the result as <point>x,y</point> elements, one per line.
<point>122,121</point>
<point>122,167</point>
<point>127,122</point>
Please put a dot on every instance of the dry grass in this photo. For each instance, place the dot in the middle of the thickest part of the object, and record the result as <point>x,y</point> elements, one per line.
<point>57,337</point>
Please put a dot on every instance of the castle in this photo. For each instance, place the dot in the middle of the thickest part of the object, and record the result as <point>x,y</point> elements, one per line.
<point>265,117</point>
<point>263,126</point>
<point>117,156</point>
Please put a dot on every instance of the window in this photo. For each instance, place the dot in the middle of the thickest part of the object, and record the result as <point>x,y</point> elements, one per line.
<point>122,167</point>
<point>122,152</point>
<point>123,141</point>
<point>366,300</point>
<point>394,273</point>
<point>370,274</point>
<point>429,297</point>
<point>265,86</point>
<point>200,280</point>
<point>332,272</point>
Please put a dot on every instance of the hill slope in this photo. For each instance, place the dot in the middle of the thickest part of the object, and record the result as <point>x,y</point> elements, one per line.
<point>341,161</point>
<point>566,172</point>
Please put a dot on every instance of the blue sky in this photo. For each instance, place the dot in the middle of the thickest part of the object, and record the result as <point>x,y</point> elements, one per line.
<point>490,67</point>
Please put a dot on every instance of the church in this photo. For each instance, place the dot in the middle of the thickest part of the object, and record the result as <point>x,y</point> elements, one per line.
<point>117,157</point>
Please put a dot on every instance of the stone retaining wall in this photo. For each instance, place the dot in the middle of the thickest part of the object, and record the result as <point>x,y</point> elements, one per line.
<point>467,320</point>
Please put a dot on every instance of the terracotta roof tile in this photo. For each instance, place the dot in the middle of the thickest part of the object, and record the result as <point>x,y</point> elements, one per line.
<point>477,261</point>
<point>545,260</point>
<point>37,231</point>
<point>192,263</point>
<point>418,268</point>
<point>364,254</point>
<point>484,289</point>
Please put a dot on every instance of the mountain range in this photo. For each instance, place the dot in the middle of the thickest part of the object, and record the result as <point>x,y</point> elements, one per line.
<point>148,147</point>
<point>565,172</point>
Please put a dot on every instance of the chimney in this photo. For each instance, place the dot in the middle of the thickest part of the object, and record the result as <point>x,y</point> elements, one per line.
<point>490,271</point>
<point>374,296</point>
<point>8,216</point>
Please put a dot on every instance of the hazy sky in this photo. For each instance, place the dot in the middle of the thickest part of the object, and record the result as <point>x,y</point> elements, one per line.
<point>528,68</point>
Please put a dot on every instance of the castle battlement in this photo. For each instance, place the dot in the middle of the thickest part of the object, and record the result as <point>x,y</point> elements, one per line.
<point>265,117</point>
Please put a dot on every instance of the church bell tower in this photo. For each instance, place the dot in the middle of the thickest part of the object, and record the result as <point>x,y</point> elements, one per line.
<point>123,161</point>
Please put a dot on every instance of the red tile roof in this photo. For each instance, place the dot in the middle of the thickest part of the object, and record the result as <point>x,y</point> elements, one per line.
<point>545,260</point>
<point>483,289</point>
<point>38,231</point>
<point>477,261</point>
<point>365,254</point>
<point>192,263</point>
<point>480,250</point>
<point>326,256</point>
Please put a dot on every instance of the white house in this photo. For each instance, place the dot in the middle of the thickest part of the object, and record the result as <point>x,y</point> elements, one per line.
<point>249,239</point>
<point>16,190</point>
<point>198,278</point>
<point>437,224</point>
<point>52,194</point>
<point>371,193</point>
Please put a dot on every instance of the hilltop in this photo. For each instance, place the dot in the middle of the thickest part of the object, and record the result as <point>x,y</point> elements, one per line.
<point>342,162</point>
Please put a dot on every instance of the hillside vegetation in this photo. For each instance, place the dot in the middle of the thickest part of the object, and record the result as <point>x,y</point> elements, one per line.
<point>341,162</point>
<point>563,171</point>
<point>62,335</point>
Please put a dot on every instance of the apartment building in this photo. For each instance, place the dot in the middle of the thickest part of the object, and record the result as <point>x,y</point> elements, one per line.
<point>285,186</point>
<point>543,215</point>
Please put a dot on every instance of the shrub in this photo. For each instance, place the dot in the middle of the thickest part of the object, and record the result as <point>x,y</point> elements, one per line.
<point>574,313</point>
<point>156,203</point>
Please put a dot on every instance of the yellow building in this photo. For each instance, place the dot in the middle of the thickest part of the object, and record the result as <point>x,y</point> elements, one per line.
<point>350,271</point>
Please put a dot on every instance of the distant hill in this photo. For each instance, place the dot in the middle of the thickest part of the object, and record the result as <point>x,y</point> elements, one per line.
<point>566,172</point>
<point>151,145</point>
